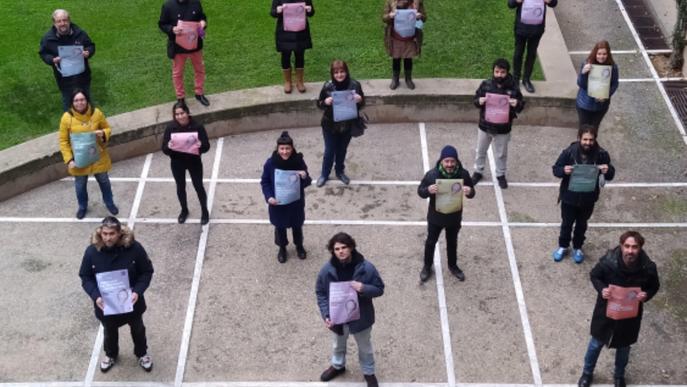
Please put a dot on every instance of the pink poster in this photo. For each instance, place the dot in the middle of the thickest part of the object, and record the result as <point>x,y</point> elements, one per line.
<point>623,303</point>
<point>188,37</point>
<point>185,142</point>
<point>497,108</point>
<point>294,16</point>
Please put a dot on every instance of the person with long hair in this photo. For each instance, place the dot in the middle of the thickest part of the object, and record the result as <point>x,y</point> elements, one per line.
<point>184,151</point>
<point>289,41</point>
<point>83,122</point>
<point>592,110</point>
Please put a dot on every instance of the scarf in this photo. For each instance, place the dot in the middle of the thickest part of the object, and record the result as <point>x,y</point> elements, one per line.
<point>293,163</point>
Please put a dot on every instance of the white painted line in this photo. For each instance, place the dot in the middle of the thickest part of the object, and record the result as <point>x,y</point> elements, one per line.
<point>43,384</point>
<point>300,384</point>
<point>197,271</point>
<point>519,294</point>
<point>614,52</point>
<point>95,353</point>
<point>608,185</point>
<point>18,219</point>
<point>636,80</point>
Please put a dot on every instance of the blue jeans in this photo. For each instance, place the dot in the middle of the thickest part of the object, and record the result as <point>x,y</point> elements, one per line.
<point>103,180</point>
<point>622,356</point>
<point>365,351</point>
<point>335,147</point>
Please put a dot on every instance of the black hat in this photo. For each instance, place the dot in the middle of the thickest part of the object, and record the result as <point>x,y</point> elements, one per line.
<point>285,139</point>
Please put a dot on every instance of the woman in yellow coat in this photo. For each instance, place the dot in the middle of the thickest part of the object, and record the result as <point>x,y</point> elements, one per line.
<point>84,133</point>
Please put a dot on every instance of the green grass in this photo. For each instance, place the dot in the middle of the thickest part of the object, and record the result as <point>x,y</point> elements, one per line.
<point>131,70</point>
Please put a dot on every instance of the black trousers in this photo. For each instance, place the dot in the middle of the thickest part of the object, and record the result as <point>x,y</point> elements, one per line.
<point>195,169</point>
<point>111,326</point>
<point>281,240</point>
<point>579,216</point>
<point>522,43</point>
<point>433,232</point>
<point>286,59</point>
<point>588,117</point>
<point>407,65</point>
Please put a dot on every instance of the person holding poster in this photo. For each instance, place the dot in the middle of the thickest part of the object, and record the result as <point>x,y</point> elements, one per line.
<point>530,20</point>
<point>591,110</point>
<point>66,34</point>
<point>292,36</point>
<point>626,266</point>
<point>582,161</point>
<point>284,178</point>
<point>85,159</point>
<point>184,142</point>
<point>496,119</point>
<point>404,21</point>
<point>448,167</point>
<point>337,134</point>
<point>178,20</point>
<point>347,265</point>
<point>113,249</point>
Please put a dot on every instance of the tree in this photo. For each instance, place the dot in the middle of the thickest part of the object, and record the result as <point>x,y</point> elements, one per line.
<point>676,57</point>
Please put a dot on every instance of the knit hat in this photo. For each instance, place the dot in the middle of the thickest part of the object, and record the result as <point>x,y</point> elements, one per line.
<point>285,139</point>
<point>448,151</point>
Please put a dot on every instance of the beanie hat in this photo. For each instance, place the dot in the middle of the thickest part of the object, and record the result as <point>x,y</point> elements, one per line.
<point>448,151</point>
<point>285,139</point>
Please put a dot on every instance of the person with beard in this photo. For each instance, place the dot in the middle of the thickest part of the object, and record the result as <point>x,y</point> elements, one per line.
<point>627,265</point>
<point>399,47</point>
<point>347,264</point>
<point>180,162</point>
<point>577,207</point>
<point>497,134</point>
<point>112,248</point>
<point>337,135</point>
<point>286,215</point>
<point>447,167</point>
<point>591,111</point>
<point>295,42</point>
<point>66,33</point>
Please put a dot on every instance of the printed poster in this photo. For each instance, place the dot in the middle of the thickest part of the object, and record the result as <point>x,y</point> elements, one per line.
<point>449,196</point>
<point>188,37</point>
<point>599,81</point>
<point>84,149</point>
<point>294,16</point>
<point>287,186</point>
<point>185,142</point>
<point>343,303</point>
<point>532,12</point>
<point>497,108</point>
<point>404,22</point>
<point>115,291</point>
<point>623,303</point>
<point>72,61</point>
<point>344,106</point>
<point>583,178</point>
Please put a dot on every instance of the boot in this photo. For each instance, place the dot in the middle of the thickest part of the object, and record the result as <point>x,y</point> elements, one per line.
<point>299,80</point>
<point>409,80</point>
<point>394,80</point>
<point>287,80</point>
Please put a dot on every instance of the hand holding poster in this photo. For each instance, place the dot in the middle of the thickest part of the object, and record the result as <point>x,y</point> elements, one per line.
<point>185,142</point>
<point>404,22</point>
<point>188,37</point>
<point>532,12</point>
<point>294,16</point>
<point>71,60</point>
<point>623,302</point>
<point>497,108</point>
<point>449,196</point>
<point>599,81</point>
<point>583,178</point>
<point>115,291</point>
<point>84,149</point>
<point>287,186</point>
<point>344,106</point>
<point>343,303</point>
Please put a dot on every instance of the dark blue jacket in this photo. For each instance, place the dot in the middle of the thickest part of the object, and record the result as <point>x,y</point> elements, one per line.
<point>571,156</point>
<point>528,30</point>
<point>586,102</point>
<point>286,215</point>
<point>48,51</point>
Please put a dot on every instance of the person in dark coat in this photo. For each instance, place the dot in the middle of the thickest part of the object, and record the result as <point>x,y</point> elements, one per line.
<point>289,42</point>
<point>66,33</point>
<point>529,28</point>
<point>347,264</point>
<point>447,167</point>
<point>180,161</point>
<point>113,247</point>
<point>627,265</point>
<point>286,215</point>
<point>591,111</point>
<point>577,207</point>
<point>337,135</point>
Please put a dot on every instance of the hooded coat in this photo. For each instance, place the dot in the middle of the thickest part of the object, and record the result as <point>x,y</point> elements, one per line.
<point>508,87</point>
<point>573,155</point>
<point>74,122</point>
<point>48,51</point>
<point>433,216</point>
<point>286,215</point>
<point>291,40</point>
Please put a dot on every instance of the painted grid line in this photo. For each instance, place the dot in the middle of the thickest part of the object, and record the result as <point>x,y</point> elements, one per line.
<point>623,52</point>
<point>299,384</point>
<point>639,80</point>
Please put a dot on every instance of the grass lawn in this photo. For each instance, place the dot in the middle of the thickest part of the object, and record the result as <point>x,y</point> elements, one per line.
<point>131,70</point>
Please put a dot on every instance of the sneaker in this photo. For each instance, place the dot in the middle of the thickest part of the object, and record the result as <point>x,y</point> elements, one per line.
<point>457,273</point>
<point>559,253</point>
<point>113,209</point>
<point>146,362</point>
<point>371,380</point>
<point>107,363</point>
<point>282,255</point>
<point>320,181</point>
<point>425,273</point>
<point>331,372</point>
<point>585,380</point>
<point>578,256</point>
<point>344,179</point>
<point>300,251</point>
<point>80,213</point>
<point>203,101</point>
<point>476,177</point>
<point>503,183</point>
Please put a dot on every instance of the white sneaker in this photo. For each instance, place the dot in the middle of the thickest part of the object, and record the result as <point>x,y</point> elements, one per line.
<point>146,362</point>
<point>106,364</point>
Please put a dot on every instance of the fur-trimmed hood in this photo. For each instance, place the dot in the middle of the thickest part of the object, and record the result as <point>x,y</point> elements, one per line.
<point>126,240</point>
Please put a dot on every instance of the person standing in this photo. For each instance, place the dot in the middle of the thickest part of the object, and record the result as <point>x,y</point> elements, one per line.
<point>174,11</point>
<point>65,33</point>
<point>402,47</point>
<point>577,203</point>
<point>347,264</point>
<point>492,130</point>
<point>592,110</point>
<point>289,42</point>
<point>286,215</point>
<point>113,247</point>
<point>184,158</point>
<point>447,167</point>
<point>627,265</point>
<point>530,21</point>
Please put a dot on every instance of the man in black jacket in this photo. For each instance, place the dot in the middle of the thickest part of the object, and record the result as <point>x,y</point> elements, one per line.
<point>66,33</point>
<point>577,200</point>
<point>447,167</point>
<point>626,266</point>
<point>113,248</point>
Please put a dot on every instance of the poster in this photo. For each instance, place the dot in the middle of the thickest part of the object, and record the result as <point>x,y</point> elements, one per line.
<point>532,12</point>
<point>294,16</point>
<point>185,142</point>
<point>287,186</point>
<point>72,61</point>
<point>599,81</point>
<point>344,106</point>
<point>623,303</point>
<point>449,196</point>
<point>497,108</point>
<point>343,303</point>
<point>188,37</point>
<point>115,291</point>
<point>404,22</point>
<point>583,178</point>
<point>84,149</point>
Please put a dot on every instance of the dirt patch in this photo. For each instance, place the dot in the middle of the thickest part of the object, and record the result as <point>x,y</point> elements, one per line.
<point>661,63</point>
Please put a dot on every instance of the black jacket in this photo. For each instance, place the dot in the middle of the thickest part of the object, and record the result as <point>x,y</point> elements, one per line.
<point>528,30</point>
<point>433,216</point>
<point>510,88</point>
<point>571,156</point>
<point>328,116</point>
<point>48,51</point>
<point>173,11</point>
<point>291,40</point>
<point>193,126</point>
<point>612,270</point>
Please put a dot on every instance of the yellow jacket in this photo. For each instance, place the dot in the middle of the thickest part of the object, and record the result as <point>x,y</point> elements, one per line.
<point>92,120</point>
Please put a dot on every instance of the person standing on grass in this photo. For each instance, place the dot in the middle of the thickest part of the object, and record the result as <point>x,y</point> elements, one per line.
<point>592,110</point>
<point>65,33</point>
<point>173,12</point>
<point>179,132</point>
<point>292,40</point>
<point>530,20</point>
<point>402,47</point>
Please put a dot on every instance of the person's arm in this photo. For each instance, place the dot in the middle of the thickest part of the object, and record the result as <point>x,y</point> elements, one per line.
<point>582,78</point>
<point>65,143</point>
<point>88,281</point>
<point>44,52</point>
<point>559,167</point>
<point>359,91</point>
<point>388,8</point>
<point>598,277</point>
<point>479,93</point>
<point>517,95</point>
<point>273,9</point>
<point>423,188</point>
<point>102,124</point>
<point>653,284</point>
<point>614,80</point>
<point>605,158</point>
<point>144,270</point>
<point>375,286</point>
<point>201,16</point>
<point>166,22</point>
<point>467,182</point>
<point>421,10</point>
<point>88,44</point>
<point>322,293</point>
<point>165,140</point>
<point>308,180</point>
<point>310,13</point>
<point>204,141</point>
<point>324,94</point>
<point>266,181</point>
<point>514,3</point>
<point>551,3</point>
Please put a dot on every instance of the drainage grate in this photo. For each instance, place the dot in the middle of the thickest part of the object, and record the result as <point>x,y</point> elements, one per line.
<point>677,91</point>
<point>649,32</point>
